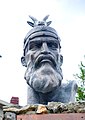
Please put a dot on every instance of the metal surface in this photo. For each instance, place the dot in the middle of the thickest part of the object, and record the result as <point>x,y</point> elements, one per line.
<point>69,116</point>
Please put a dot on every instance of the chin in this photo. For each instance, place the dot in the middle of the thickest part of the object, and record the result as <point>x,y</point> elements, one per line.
<point>43,86</point>
<point>45,79</point>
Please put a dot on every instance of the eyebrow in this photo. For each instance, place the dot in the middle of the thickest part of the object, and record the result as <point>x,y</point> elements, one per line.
<point>44,39</point>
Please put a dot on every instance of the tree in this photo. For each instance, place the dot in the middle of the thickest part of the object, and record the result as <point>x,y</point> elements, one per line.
<point>81,87</point>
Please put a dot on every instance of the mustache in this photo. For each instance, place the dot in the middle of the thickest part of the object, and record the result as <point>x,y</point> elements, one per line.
<point>45,58</point>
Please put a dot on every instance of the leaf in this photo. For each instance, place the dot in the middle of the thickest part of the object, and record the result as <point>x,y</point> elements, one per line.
<point>82,64</point>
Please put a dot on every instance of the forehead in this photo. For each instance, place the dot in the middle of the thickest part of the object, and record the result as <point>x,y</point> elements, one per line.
<point>44,39</point>
<point>40,40</point>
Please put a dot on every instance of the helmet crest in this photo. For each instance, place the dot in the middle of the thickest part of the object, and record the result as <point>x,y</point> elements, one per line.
<point>39,23</point>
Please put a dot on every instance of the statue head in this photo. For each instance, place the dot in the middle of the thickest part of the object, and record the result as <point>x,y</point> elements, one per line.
<point>41,56</point>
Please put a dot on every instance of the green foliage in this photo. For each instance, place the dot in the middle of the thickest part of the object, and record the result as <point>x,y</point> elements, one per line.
<point>80,94</point>
<point>81,78</point>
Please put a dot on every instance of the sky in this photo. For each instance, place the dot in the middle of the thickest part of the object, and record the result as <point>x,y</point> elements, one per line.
<point>68,18</point>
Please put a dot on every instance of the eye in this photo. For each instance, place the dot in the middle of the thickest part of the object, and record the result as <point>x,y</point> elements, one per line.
<point>35,45</point>
<point>52,45</point>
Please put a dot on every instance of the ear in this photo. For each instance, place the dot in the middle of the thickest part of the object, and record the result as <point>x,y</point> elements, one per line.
<point>61,59</point>
<point>30,23</point>
<point>23,61</point>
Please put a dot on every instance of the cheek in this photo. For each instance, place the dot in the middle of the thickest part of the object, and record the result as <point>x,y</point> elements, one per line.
<point>30,56</point>
<point>55,54</point>
<point>35,54</point>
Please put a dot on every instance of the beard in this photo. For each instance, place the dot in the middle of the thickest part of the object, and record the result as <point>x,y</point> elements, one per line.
<point>43,79</point>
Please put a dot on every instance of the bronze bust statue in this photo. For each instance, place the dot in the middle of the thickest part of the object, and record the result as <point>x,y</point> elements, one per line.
<point>43,60</point>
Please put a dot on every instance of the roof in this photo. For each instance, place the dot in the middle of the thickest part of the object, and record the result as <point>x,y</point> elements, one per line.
<point>3,103</point>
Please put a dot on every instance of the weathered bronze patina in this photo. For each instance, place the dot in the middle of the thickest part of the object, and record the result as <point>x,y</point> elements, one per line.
<point>43,60</point>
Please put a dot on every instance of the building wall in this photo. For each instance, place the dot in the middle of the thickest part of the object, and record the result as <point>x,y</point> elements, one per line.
<point>1,113</point>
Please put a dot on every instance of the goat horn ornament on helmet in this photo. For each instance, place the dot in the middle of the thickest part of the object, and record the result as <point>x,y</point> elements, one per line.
<point>39,23</point>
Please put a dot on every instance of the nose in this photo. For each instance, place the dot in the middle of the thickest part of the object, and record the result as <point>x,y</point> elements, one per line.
<point>45,48</point>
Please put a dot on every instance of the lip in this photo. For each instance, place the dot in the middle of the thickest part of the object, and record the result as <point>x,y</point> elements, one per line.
<point>45,59</point>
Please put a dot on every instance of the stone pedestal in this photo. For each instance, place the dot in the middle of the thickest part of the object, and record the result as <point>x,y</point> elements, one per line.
<point>70,116</point>
<point>52,111</point>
